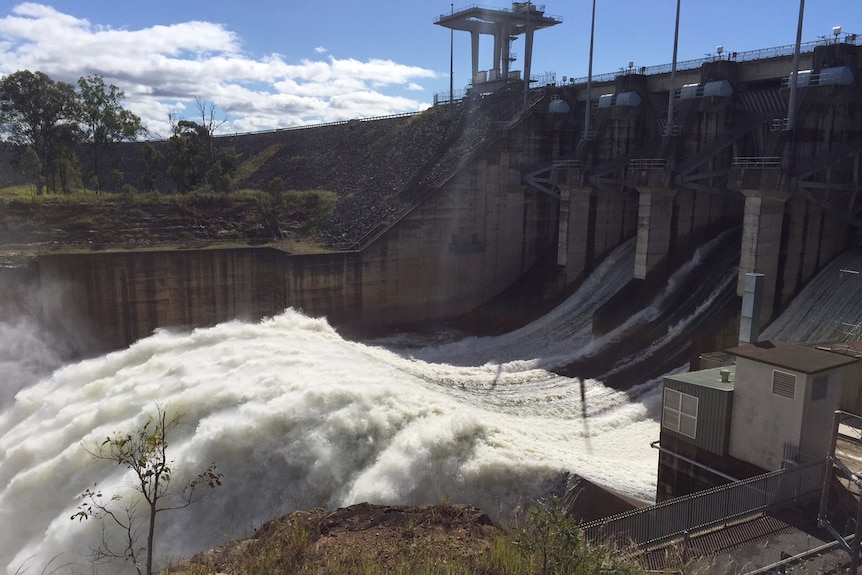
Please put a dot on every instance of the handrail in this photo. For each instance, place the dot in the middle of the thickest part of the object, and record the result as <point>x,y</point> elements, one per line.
<point>748,56</point>
<point>757,162</point>
<point>539,11</point>
<point>648,163</point>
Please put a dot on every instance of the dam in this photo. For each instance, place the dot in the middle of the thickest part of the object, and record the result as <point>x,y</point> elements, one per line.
<point>533,186</point>
<point>485,197</point>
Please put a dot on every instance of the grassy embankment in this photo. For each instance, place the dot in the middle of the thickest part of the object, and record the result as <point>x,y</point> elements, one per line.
<point>88,221</point>
<point>434,540</point>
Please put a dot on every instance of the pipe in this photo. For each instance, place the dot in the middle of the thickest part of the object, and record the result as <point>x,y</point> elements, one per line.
<point>788,560</point>
<point>656,445</point>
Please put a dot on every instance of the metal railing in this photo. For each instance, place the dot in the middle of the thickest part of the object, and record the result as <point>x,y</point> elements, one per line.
<point>688,515</point>
<point>757,162</point>
<point>538,9</point>
<point>748,56</point>
<point>647,163</point>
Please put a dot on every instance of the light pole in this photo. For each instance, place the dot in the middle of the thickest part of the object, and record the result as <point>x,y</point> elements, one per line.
<point>668,129</point>
<point>451,63</point>
<point>791,104</point>
<point>590,76</point>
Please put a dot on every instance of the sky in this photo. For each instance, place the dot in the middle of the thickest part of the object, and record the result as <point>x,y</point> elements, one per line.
<point>268,64</point>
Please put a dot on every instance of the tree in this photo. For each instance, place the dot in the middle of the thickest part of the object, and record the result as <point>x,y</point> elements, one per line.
<point>150,160</point>
<point>144,453</point>
<point>31,169</point>
<point>104,122</point>
<point>37,112</point>
<point>196,160</point>
<point>188,147</point>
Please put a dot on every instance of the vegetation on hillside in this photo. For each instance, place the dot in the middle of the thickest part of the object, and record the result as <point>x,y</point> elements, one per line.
<point>430,540</point>
<point>372,172</point>
<point>85,220</point>
<point>47,120</point>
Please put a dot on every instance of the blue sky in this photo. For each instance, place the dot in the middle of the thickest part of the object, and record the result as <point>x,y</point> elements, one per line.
<point>277,63</point>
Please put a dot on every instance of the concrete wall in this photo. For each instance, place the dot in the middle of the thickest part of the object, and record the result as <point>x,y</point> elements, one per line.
<point>483,228</point>
<point>109,300</point>
<point>757,412</point>
<point>816,436</point>
<point>777,421</point>
<point>459,248</point>
<point>456,250</point>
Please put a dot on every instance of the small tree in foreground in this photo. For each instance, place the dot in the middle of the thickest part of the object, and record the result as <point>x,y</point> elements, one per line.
<point>144,453</point>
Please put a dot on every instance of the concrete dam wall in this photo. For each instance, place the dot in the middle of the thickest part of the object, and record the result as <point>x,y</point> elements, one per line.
<point>453,251</point>
<point>541,181</point>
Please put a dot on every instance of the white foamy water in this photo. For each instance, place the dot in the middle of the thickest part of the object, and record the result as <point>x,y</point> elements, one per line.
<point>296,417</point>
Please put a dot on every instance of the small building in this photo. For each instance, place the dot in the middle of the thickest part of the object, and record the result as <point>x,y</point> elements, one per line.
<point>773,407</point>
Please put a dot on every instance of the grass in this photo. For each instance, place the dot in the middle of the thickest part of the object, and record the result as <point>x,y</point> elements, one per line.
<point>550,544</point>
<point>299,211</point>
<point>13,193</point>
<point>253,164</point>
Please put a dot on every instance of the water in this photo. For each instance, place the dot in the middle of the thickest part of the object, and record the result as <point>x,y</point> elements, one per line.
<point>827,308</point>
<point>295,416</point>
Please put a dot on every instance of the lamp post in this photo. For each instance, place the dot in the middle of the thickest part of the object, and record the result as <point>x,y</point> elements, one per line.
<point>791,105</point>
<point>668,129</point>
<point>451,63</point>
<point>590,76</point>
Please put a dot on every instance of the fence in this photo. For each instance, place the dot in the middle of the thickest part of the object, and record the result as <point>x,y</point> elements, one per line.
<point>706,509</point>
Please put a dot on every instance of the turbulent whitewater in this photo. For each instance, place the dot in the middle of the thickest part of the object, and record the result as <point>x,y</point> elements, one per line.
<point>295,416</point>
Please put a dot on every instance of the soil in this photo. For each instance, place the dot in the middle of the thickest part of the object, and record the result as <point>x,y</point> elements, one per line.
<point>385,535</point>
<point>381,535</point>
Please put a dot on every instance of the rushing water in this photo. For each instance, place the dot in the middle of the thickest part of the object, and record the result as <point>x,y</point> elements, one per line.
<point>295,416</point>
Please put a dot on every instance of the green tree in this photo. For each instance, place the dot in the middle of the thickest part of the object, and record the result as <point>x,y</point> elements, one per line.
<point>65,169</point>
<point>38,112</point>
<point>188,147</point>
<point>144,453</point>
<point>31,168</point>
<point>151,159</point>
<point>104,122</point>
<point>196,160</point>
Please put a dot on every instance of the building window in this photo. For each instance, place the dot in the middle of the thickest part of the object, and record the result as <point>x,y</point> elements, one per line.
<point>820,388</point>
<point>680,412</point>
<point>783,384</point>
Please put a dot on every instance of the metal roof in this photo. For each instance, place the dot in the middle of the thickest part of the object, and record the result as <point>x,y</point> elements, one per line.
<point>707,378</point>
<point>792,356</point>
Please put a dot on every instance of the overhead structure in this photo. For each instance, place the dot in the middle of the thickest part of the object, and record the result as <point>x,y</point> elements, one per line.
<point>505,26</point>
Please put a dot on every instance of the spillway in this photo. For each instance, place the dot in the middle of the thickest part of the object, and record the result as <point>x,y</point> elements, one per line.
<point>296,417</point>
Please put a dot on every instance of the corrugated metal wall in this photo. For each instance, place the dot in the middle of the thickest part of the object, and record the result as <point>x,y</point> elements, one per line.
<point>713,415</point>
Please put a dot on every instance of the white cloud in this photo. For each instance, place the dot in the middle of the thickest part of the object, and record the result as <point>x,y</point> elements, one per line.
<point>163,68</point>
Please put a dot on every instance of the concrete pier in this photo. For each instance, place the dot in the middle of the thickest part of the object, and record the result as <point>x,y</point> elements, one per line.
<point>763,220</point>
<point>574,237</point>
<point>655,217</point>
